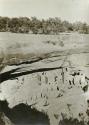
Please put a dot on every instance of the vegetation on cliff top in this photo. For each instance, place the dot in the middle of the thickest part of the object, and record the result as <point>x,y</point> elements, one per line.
<point>36,26</point>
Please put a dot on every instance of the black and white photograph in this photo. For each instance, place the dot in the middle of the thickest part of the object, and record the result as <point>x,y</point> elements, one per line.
<point>44,62</point>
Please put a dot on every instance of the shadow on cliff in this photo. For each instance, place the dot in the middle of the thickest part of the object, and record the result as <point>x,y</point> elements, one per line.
<point>24,115</point>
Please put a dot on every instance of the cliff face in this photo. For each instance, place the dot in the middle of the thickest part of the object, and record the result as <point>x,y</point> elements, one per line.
<point>61,93</point>
<point>54,82</point>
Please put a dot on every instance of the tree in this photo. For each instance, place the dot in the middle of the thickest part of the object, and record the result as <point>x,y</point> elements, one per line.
<point>4,24</point>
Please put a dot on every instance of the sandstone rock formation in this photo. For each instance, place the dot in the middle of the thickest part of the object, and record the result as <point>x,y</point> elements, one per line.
<point>55,81</point>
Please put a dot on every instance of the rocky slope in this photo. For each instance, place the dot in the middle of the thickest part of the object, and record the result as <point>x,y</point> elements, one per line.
<point>55,82</point>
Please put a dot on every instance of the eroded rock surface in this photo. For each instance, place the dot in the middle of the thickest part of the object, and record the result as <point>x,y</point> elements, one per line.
<point>57,92</point>
<point>54,81</point>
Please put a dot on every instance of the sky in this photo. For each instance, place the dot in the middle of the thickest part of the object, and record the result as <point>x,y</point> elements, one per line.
<point>71,10</point>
